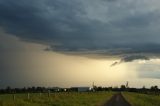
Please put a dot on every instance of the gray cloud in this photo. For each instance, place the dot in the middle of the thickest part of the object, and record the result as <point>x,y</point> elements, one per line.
<point>105,27</point>
<point>130,59</point>
<point>115,63</point>
<point>134,57</point>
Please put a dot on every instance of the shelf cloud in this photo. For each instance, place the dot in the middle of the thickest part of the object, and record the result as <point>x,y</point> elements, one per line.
<point>107,27</point>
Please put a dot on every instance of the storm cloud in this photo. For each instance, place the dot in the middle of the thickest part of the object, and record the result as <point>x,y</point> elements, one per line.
<point>130,59</point>
<point>105,27</point>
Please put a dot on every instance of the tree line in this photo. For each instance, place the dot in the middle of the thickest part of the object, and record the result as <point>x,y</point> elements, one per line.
<point>151,90</point>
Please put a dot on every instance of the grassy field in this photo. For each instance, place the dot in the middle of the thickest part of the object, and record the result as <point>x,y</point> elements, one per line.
<point>137,99</point>
<point>56,99</point>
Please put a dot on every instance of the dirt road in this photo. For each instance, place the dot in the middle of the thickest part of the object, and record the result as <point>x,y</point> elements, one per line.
<point>117,100</point>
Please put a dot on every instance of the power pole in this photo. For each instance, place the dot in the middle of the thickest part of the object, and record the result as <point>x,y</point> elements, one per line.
<point>93,85</point>
<point>127,84</point>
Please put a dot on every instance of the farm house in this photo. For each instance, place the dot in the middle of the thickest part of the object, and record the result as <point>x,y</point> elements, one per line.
<point>80,89</point>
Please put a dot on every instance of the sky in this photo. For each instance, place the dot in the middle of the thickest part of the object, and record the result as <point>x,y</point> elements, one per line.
<point>77,42</point>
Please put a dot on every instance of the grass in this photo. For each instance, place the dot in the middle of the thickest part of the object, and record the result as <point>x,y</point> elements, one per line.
<point>137,99</point>
<point>56,99</point>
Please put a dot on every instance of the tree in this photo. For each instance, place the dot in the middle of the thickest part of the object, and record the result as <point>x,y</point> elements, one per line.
<point>123,87</point>
<point>8,89</point>
<point>154,88</point>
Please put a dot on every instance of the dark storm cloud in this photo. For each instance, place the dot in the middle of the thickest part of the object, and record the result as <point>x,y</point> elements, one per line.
<point>130,59</point>
<point>112,27</point>
<point>134,57</point>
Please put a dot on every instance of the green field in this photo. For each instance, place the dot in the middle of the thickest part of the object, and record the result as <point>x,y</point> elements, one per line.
<point>137,99</point>
<point>56,99</point>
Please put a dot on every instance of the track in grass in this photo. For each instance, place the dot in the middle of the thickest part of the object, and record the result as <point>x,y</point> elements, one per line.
<point>117,100</point>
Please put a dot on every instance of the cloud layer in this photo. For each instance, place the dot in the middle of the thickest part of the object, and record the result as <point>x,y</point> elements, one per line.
<point>130,59</point>
<point>107,27</point>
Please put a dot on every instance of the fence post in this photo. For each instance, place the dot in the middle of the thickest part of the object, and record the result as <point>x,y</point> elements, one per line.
<point>48,93</point>
<point>28,96</point>
<point>14,97</point>
<point>40,94</point>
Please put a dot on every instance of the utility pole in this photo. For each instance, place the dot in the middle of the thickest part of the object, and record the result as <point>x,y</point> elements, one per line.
<point>127,84</point>
<point>93,85</point>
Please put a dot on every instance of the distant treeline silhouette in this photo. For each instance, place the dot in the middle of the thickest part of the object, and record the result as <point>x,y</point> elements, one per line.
<point>151,90</point>
<point>9,90</point>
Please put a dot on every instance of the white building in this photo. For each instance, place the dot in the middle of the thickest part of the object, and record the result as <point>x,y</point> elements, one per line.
<point>80,89</point>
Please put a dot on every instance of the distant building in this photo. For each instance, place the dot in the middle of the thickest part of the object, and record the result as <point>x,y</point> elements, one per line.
<point>55,89</point>
<point>80,89</point>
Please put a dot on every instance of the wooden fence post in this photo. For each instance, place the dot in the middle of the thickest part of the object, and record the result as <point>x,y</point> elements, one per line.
<point>48,93</point>
<point>28,96</point>
<point>14,97</point>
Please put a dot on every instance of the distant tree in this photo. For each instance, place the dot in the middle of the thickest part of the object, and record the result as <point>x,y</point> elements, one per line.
<point>144,87</point>
<point>33,89</point>
<point>99,88</point>
<point>133,90</point>
<point>144,90</point>
<point>105,88</point>
<point>154,89</point>
<point>110,88</point>
<point>24,89</point>
<point>123,87</point>
<point>116,88</point>
<point>8,89</point>
<point>95,88</point>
